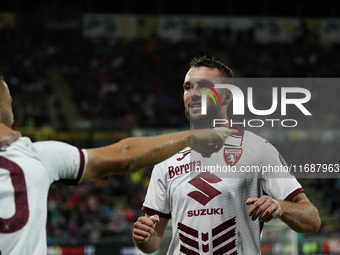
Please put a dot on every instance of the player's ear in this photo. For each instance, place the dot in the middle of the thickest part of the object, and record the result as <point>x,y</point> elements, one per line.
<point>227,97</point>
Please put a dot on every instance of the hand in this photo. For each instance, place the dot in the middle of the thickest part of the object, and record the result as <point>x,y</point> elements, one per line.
<point>7,135</point>
<point>209,140</point>
<point>144,228</point>
<point>265,208</point>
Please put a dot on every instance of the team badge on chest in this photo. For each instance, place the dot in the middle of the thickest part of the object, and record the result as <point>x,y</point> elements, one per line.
<point>232,155</point>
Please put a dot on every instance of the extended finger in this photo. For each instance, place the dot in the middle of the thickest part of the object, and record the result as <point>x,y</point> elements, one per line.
<point>233,131</point>
<point>251,201</point>
<point>267,214</point>
<point>257,204</point>
<point>226,130</point>
<point>260,211</point>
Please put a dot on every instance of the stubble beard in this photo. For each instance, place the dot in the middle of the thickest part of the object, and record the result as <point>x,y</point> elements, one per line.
<point>204,121</point>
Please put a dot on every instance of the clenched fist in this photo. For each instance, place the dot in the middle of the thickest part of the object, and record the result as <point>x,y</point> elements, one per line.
<point>144,228</point>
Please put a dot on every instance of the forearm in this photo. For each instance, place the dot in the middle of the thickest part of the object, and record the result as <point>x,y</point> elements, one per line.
<point>148,151</point>
<point>132,154</point>
<point>149,246</point>
<point>151,151</point>
<point>302,217</point>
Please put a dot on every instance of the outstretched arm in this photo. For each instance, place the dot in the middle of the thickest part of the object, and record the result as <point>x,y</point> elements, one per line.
<point>132,154</point>
<point>299,213</point>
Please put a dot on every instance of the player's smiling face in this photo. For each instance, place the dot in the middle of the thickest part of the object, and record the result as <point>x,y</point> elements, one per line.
<point>192,97</point>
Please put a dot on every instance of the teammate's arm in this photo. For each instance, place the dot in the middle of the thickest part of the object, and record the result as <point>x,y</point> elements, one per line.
<point>148,232</point>
<point>133,154</point>
<point>7,135</point>
<point>299,213</point>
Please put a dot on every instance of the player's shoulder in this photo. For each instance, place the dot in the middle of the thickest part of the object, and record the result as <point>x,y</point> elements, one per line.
<point>27,142</point>
<point>24,142</point>
<point>252,138</point>
<point>257,142</point>
<point>21,147</point>
<point>244,138</point>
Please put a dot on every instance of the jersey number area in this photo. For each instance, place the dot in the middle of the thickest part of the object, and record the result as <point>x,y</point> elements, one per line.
<point>20,217</point>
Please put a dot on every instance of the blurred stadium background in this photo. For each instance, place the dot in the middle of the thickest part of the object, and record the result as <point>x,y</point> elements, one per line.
<point>91,73</point>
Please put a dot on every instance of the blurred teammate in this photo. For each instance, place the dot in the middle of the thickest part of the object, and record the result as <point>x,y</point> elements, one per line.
<point>27,170</point>
<point>212,215</point>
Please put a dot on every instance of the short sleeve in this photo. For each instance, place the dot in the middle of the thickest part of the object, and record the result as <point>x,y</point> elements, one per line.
<point>65,163</point>
<point>277,182</point>
<point>156,199</point>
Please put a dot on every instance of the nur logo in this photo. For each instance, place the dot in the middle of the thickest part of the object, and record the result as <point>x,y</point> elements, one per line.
<point>281,98</point>
<point>238,99</point>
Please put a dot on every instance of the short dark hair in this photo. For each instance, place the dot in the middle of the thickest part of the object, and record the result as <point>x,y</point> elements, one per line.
<point>212,63</point>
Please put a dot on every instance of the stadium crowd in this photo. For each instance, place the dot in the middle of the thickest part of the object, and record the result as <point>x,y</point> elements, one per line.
<point>135,80</point>
<point>23,62</point>
<point>126,84</point>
